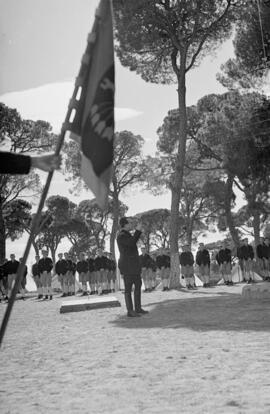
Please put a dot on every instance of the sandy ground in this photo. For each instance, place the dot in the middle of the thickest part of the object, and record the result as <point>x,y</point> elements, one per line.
<point>204,351</point>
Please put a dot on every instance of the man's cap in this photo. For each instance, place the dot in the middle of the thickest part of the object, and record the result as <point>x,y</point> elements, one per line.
<point>123,221</point>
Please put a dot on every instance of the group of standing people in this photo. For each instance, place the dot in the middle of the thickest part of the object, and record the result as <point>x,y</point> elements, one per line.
<point>8,271</point>
<point>135,267</point>
<point>41,272</point>
<point>97,275</point>
<point>161,264</point>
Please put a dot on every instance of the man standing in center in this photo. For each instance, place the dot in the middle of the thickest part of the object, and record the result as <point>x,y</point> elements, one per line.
<point>45,266</point>
<point>129,265</point>
<point>203,261</point>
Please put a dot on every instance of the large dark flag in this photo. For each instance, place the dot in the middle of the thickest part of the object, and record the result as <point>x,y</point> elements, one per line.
<point>92,123</point>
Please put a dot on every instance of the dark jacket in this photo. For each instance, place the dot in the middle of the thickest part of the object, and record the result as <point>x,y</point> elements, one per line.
<point>129,262</point>
<point>163,260</point>
<point>262,251</point>
<point>12,267</point>
<point>245,252</point>
<point>267,251</point>
<point>186,258</point>
<point>11,163</point>
<point>100,263</point>
<point>61,267</point>
<point>112,265</point>
<point>45,264</point>
<point>82,266</point>
<point>145,260</point>
<point>70,265</point>
<point>224,256</point>
<point>203,257</point>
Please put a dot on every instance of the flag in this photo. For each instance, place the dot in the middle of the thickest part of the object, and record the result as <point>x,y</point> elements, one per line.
<point>91,108</point>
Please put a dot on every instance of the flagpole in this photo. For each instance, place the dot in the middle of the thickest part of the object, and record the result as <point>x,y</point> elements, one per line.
<point>65,127</point>
<point>34,227</point>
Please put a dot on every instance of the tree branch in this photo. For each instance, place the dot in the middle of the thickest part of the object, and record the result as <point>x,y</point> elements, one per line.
<point>208,30</point>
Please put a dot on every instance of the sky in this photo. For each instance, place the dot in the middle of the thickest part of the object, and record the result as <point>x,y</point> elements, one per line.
<point>41,44</point>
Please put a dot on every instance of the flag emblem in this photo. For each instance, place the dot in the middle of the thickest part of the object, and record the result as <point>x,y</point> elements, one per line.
<point>93,123</point>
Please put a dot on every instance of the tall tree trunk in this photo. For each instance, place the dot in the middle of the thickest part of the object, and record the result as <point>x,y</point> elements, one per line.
<point>256,227</point>
<point>176,185</point>
<point>189,234</point>
<point>53,251</point>
<point>36,248</point>
<point>228,212</point>
<point>147,242</point>
<point>2,233</point>
<point>116,214</point>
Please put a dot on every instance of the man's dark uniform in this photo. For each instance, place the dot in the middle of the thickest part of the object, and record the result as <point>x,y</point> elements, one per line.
<point>100,263</point>
<point>224,256</point>
<point>82,266</point>
<point>186,259</point>
<point>163,260</point>
<point>240,257</point>
<point>11,163</point>
<point>262,255</point>
<point>45,264</point>
<point>145,261</point>
<point>4,275</point>
<point>69,265</point>
<point>245,252</point>
<point>203,257</point>
<point>112,265</point>
<point>245,255</point>
<point>260,249</point>
<point>12,267</point>
<point>35,271</point>
<point>267,250</point>
<point>130,267</point>
<point>61,267</point>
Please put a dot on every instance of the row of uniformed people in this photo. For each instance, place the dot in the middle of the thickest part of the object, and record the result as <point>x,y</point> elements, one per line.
<point>150,266</point>
<point>246,257</point>
<point>223,257</point>
<point>98,272</point>
<point>248,264</point>
<point>161,264</point>
<point>42,275</point>
<point>8,271</point>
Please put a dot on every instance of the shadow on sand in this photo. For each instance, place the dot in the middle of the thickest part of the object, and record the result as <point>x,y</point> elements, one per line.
<point>226,312</point>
